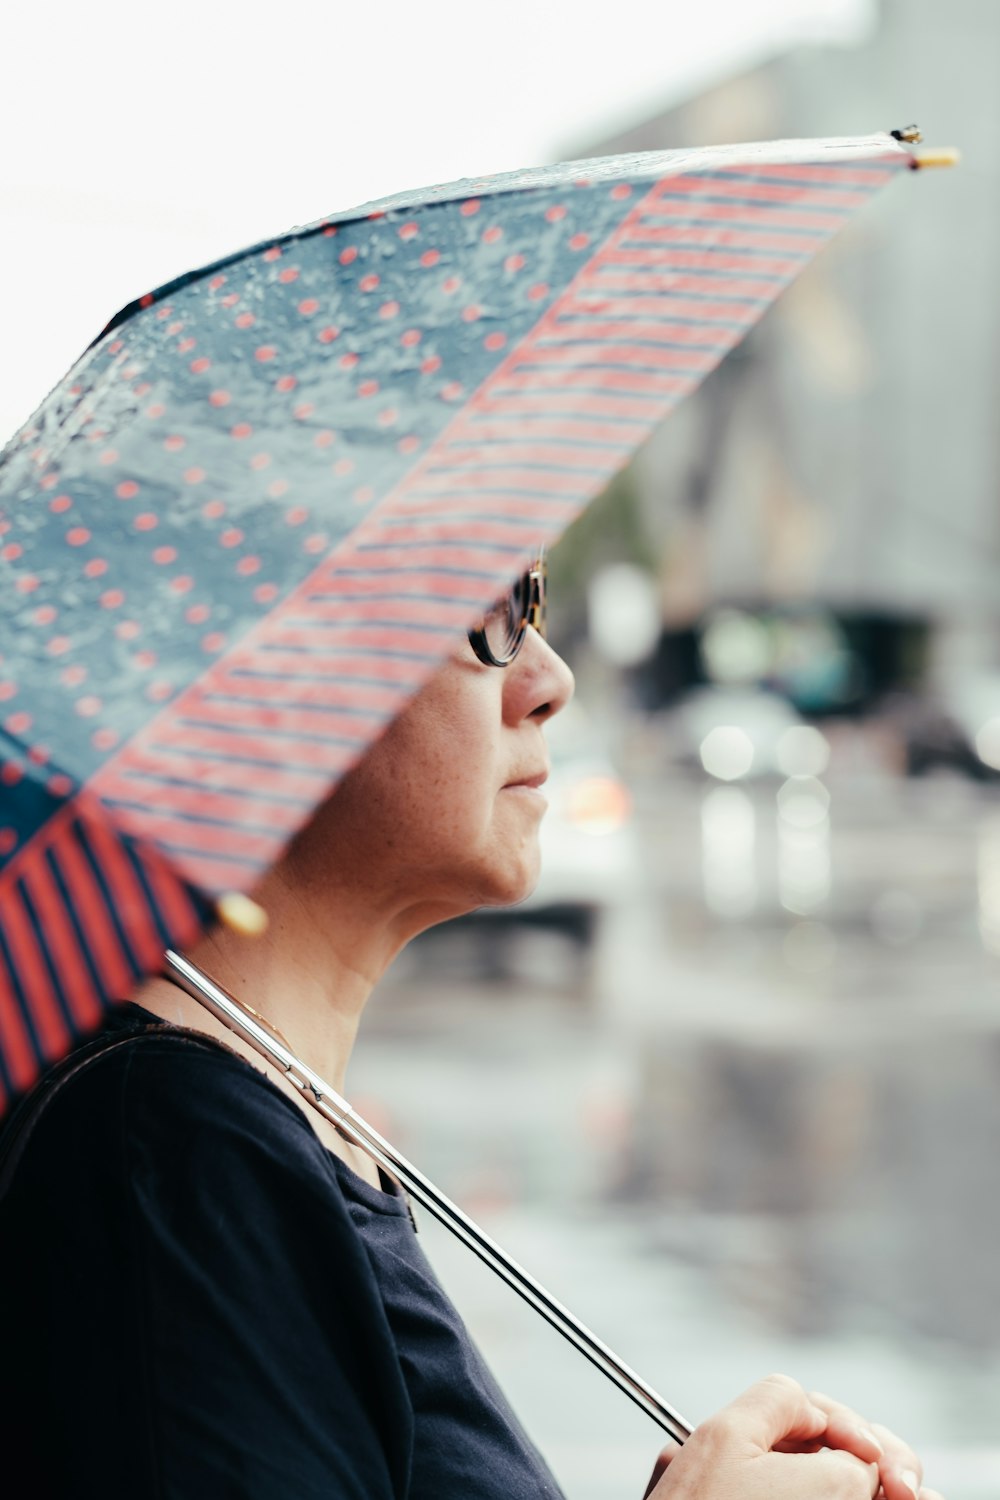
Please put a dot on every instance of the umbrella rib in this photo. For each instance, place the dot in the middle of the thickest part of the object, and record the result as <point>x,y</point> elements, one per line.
<point>750,240</point>
<point>742,217</point>
<point>801,175</point>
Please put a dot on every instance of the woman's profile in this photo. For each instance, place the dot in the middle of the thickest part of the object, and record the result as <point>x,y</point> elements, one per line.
<point>208,1292</point>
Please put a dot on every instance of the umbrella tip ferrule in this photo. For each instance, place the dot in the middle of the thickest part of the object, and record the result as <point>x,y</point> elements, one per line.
<point>942,156</point>
<point>909,133</point>
<point>241,914</point>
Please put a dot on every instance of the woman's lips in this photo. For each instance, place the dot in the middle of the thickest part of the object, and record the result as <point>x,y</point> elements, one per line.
<point>535,783</point>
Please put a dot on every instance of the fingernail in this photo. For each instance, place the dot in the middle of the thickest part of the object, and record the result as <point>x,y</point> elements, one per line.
<point>870,1437</point>
<point>911,1481</point>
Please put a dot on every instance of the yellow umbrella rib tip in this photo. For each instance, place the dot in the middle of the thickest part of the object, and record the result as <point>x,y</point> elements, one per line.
<point>241,914</point>
<point>942,156</point>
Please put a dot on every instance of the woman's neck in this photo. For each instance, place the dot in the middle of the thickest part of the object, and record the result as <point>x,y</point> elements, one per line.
<point>334,926</point>
<point>297,976</point>
<point>308,977</point>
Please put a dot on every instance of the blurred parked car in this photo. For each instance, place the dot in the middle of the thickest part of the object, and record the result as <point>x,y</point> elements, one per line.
<point>957,728</point>
<point>736,733</point>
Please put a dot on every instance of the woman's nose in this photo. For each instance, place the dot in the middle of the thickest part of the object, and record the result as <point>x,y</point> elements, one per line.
<point>538,683</point>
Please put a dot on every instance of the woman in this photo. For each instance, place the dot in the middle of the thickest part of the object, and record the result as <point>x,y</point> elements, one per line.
<point>215,1294</point>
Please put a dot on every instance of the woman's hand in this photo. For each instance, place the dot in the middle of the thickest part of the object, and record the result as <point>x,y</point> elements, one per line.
<point>775,1442</point>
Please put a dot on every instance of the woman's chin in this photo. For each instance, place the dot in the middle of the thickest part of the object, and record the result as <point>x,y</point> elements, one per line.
<point>517,886</point>
<point>503,878</point>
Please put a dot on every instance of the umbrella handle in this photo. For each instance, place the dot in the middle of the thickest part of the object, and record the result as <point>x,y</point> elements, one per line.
<point>336,1109</point>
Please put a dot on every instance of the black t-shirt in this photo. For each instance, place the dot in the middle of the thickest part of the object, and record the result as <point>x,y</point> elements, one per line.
<point>197,1299</point>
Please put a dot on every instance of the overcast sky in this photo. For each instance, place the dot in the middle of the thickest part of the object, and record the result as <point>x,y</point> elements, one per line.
<point>128,156</point>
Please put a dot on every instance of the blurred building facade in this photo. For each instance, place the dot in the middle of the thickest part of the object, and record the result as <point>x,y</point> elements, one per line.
<point>848,455</point>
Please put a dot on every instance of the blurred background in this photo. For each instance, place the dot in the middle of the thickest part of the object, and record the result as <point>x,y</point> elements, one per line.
<point>728,1082</point>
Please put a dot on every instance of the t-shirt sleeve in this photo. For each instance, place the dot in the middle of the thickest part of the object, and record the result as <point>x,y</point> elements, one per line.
<point>230,1284</point>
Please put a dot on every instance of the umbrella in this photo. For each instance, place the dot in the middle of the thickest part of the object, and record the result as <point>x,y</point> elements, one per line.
<point>250,522</point>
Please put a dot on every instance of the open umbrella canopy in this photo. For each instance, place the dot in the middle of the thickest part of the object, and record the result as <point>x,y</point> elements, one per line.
<point>257,513</point>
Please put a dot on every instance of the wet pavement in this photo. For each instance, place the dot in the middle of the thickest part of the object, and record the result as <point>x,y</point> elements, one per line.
<point>755,1128</point>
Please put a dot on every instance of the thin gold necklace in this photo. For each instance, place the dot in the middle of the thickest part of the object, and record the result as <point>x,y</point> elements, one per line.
<point>282,1038</point>
<point>357,1154</point>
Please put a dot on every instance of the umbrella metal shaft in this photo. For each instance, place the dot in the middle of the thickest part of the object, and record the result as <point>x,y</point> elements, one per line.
<point>334,1108</point>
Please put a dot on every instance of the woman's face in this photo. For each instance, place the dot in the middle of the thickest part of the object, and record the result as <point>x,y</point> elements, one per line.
<point>443,813</point>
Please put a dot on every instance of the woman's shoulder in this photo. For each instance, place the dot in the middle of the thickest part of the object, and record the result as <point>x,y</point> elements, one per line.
<point>149,1095</point>
<point>177,1220</point>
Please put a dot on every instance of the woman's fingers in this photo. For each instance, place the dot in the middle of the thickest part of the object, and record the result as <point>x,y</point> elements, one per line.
<point>665,1458</point>
<point>773,1411</point>
<point>901,1470</point>
<point>901,1463</point>
<point>845,1429</point>
<point>717,1463</point>
<point>832,1473</point>
<point>776,1442</point>
<point>731,1457</point>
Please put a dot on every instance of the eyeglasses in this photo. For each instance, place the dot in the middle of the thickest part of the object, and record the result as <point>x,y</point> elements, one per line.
<point>499,636</point>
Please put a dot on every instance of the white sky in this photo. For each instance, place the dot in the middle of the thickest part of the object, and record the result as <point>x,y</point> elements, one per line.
<point>139,140</point>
